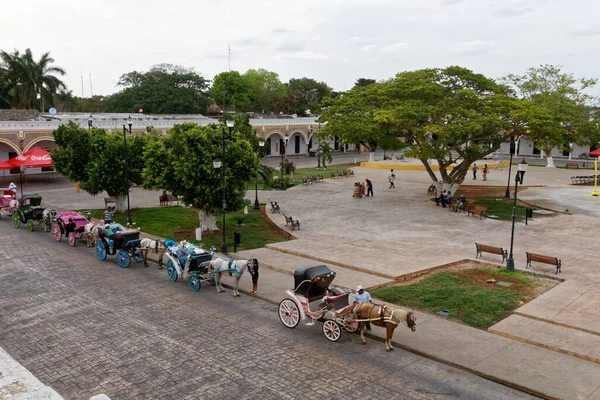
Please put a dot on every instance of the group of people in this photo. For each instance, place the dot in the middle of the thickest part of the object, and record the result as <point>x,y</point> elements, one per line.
<point>367,185</point>
<point>445,197</point>
<point>485,171</point>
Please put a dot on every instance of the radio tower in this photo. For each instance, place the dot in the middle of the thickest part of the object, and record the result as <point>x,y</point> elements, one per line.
<point>229,55</point>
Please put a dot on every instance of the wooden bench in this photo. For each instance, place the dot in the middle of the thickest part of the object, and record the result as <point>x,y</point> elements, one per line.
<point>317,178</point>
<point>348,172</point>
<point>294,223</point>
<point>274,206</point>
<point>484,248</point>
<point>343,173</point>
<point>306,180</point>
<point>573,165</point>
<point>334,174</point>
<point>109,200</point>
<point>477,209</point>
<point>543,259</point>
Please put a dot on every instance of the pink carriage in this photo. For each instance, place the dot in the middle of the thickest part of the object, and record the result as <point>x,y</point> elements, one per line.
<point>8,201</point>
<point>72,225</point>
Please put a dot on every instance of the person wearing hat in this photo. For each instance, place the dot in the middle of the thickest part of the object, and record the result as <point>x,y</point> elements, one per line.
<point>362,296</point>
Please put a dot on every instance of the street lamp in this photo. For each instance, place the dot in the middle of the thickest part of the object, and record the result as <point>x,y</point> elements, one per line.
<point>510,263</point>
<point>283,151</point>
<point>229,123</point>
<point>90,121</point>
<point>261,143</point>
<point>130,123</point>
<point>512,150</point>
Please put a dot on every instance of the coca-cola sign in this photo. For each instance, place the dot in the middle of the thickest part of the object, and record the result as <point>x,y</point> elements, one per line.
<point>42,158</point>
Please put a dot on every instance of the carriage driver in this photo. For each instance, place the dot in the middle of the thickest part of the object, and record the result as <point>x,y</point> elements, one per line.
<point>362,296</point>
<point>112,234</point>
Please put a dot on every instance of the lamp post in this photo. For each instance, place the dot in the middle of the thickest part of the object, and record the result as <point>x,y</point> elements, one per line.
<point>285,142</point>
<point>90,121</point>
<point>512,150</point>
<point>261,143</point>
<point>510,263</point>
<point>229,124</point>
<point>130,123</point>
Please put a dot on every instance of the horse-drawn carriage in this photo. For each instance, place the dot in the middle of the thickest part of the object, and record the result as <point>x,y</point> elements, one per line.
<point>115,239</point>
<point>313,298</point>
<point>8,201</point>
<point>72,225</point>
<point>186,258</point>
<point>30,212</point>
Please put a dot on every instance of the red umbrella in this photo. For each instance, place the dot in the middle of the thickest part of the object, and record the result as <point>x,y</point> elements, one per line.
<point>34,158</point>
<point>4,165</point>
<point>595,153</point>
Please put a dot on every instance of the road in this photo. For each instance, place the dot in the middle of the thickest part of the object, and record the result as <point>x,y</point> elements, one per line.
<point>86,327</point>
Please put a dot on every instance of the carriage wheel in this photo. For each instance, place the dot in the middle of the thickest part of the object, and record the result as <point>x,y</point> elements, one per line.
<point>137,256</point>
<point>101,251</point>
<point>123,259</point>
<point>78,235</point>
<point>212,282</point>
<point>56,232</point>
<point>194,283</point>
<point>16,220</point>
<point>72,239</point>
<point>332,330</point>
<point>171,271</point>
<point>289,314</point>
<point>351,327</point>
<point>30,225</point>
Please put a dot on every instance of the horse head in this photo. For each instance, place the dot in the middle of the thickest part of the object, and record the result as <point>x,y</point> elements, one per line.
<point>411,321</point>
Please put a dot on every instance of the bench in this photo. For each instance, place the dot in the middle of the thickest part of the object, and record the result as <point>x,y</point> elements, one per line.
<point>108,200</point>
<point>572,165</point>
<point>292,222</point>
<point>543,259</point>
<point>166,198</point>
<point>274,206</point>
<point>348,172</point>
<point>343,173</point>
<point>484,248</point>
<point>306,180</point>
<point>334,174</point>
<point>477,209</point>
<point>582,180</point>
<point>317,178</point>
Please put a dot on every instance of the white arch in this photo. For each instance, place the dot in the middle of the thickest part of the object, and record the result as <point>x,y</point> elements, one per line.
<point>11,145</point>
<point>36,141</point>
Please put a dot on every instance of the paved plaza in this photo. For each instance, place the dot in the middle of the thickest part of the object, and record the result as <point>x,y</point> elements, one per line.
<point>549,346</point>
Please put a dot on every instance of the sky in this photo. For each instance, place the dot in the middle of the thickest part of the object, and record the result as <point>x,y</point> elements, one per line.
<point>335,41</point>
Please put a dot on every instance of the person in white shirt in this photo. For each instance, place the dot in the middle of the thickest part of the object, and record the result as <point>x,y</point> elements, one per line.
<point>362,296</point>
<point>391,178</point>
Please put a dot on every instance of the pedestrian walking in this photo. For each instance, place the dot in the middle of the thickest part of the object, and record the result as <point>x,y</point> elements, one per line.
<point>369,187</point>
<point>254,273</point>
<point>485,172</point>
<point>474,171</point>
<point>392,178</point>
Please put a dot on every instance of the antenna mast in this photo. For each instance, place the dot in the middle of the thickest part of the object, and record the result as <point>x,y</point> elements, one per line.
<point>82,94</point>
<point>91,91</point>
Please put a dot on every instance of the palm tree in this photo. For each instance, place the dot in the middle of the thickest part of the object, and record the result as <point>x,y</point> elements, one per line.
<point>325,153</point>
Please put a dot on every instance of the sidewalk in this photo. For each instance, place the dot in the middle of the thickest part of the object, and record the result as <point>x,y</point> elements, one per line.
<point>533,369</point>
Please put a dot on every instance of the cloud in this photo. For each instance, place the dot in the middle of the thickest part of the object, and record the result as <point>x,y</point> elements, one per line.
<point>303,55</point>
<point>450,2</point>
<point>474,47</point>
<point>589,31</point>
<point>513,11</point>
<point>361,41</point>
<point>291,46</point>
<point>248,41</point>
<point>394,48</point>
<point>280,30</point>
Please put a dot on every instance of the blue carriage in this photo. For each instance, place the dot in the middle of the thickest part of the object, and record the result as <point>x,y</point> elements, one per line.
<point>116,239</point>
<point>191,259</point>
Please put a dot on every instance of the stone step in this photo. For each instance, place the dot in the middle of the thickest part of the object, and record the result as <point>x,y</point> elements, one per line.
<point>288,263</point>
<point>562,339</point>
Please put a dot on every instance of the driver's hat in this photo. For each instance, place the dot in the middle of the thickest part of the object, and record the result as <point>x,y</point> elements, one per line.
<point>359,288</point>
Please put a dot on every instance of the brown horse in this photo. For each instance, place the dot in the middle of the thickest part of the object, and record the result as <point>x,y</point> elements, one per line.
<point>386,317</point>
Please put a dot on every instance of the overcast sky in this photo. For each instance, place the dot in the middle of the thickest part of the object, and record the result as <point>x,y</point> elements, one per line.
<point>336,41</point>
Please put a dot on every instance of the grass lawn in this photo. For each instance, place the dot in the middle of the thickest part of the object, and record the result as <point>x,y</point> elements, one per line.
<point>178,222</point>
<point>464,294</point>
<point>300,172</point>
<point>493,198</point>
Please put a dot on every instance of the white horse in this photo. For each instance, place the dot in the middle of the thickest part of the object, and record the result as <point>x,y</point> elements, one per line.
<point>151,244</point>
<point>48,216</point>
<point>90,231</point>
<point>237,267</point>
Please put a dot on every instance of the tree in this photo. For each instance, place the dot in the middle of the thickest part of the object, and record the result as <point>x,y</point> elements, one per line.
<point>164,89</point>
<point>453,116</point>
<point>362,82</point>
<point>231,89</point>
<point>324,153</point>
<point>304,95</point>
<point>558,113</point>
<point>182,163</point>
<point>267,89</point>
<point>96,159</point>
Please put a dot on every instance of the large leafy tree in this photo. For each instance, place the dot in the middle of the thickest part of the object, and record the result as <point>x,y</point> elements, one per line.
<point>267,89</point>
<point>164,89</point>
<point>361,82</point>
<point>27,82</point>
<point>452,116</point>
<point>304,94</point>
<point>182,163</point>
<point>96,159</point>
<point>231,90</point>
<point>558,114</point>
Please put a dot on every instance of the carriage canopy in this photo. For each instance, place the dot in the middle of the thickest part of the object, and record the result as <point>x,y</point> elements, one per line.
<point>313,282</point>
<point>30,200</point>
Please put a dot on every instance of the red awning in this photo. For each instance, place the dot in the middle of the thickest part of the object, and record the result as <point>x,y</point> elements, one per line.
<point>595,153</point>
<point>4,165</point>
<point>34,158</point>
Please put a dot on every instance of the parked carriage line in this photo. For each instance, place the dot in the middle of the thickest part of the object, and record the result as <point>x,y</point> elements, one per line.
<point>311,285</point>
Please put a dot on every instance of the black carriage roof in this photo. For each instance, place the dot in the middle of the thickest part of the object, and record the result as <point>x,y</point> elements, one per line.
<point>313,281</point>
<point>30,196</point>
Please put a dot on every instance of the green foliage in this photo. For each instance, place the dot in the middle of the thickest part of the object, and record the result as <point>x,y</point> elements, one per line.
<point>229,88</point>
<point>164,89</point>
<point>96,159</point>
<point>267,89</point>
<point>465,300</point>
<point>362,82</point>
<point>182,163</point>
<point>304,94</point>
<point>324,153</point>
